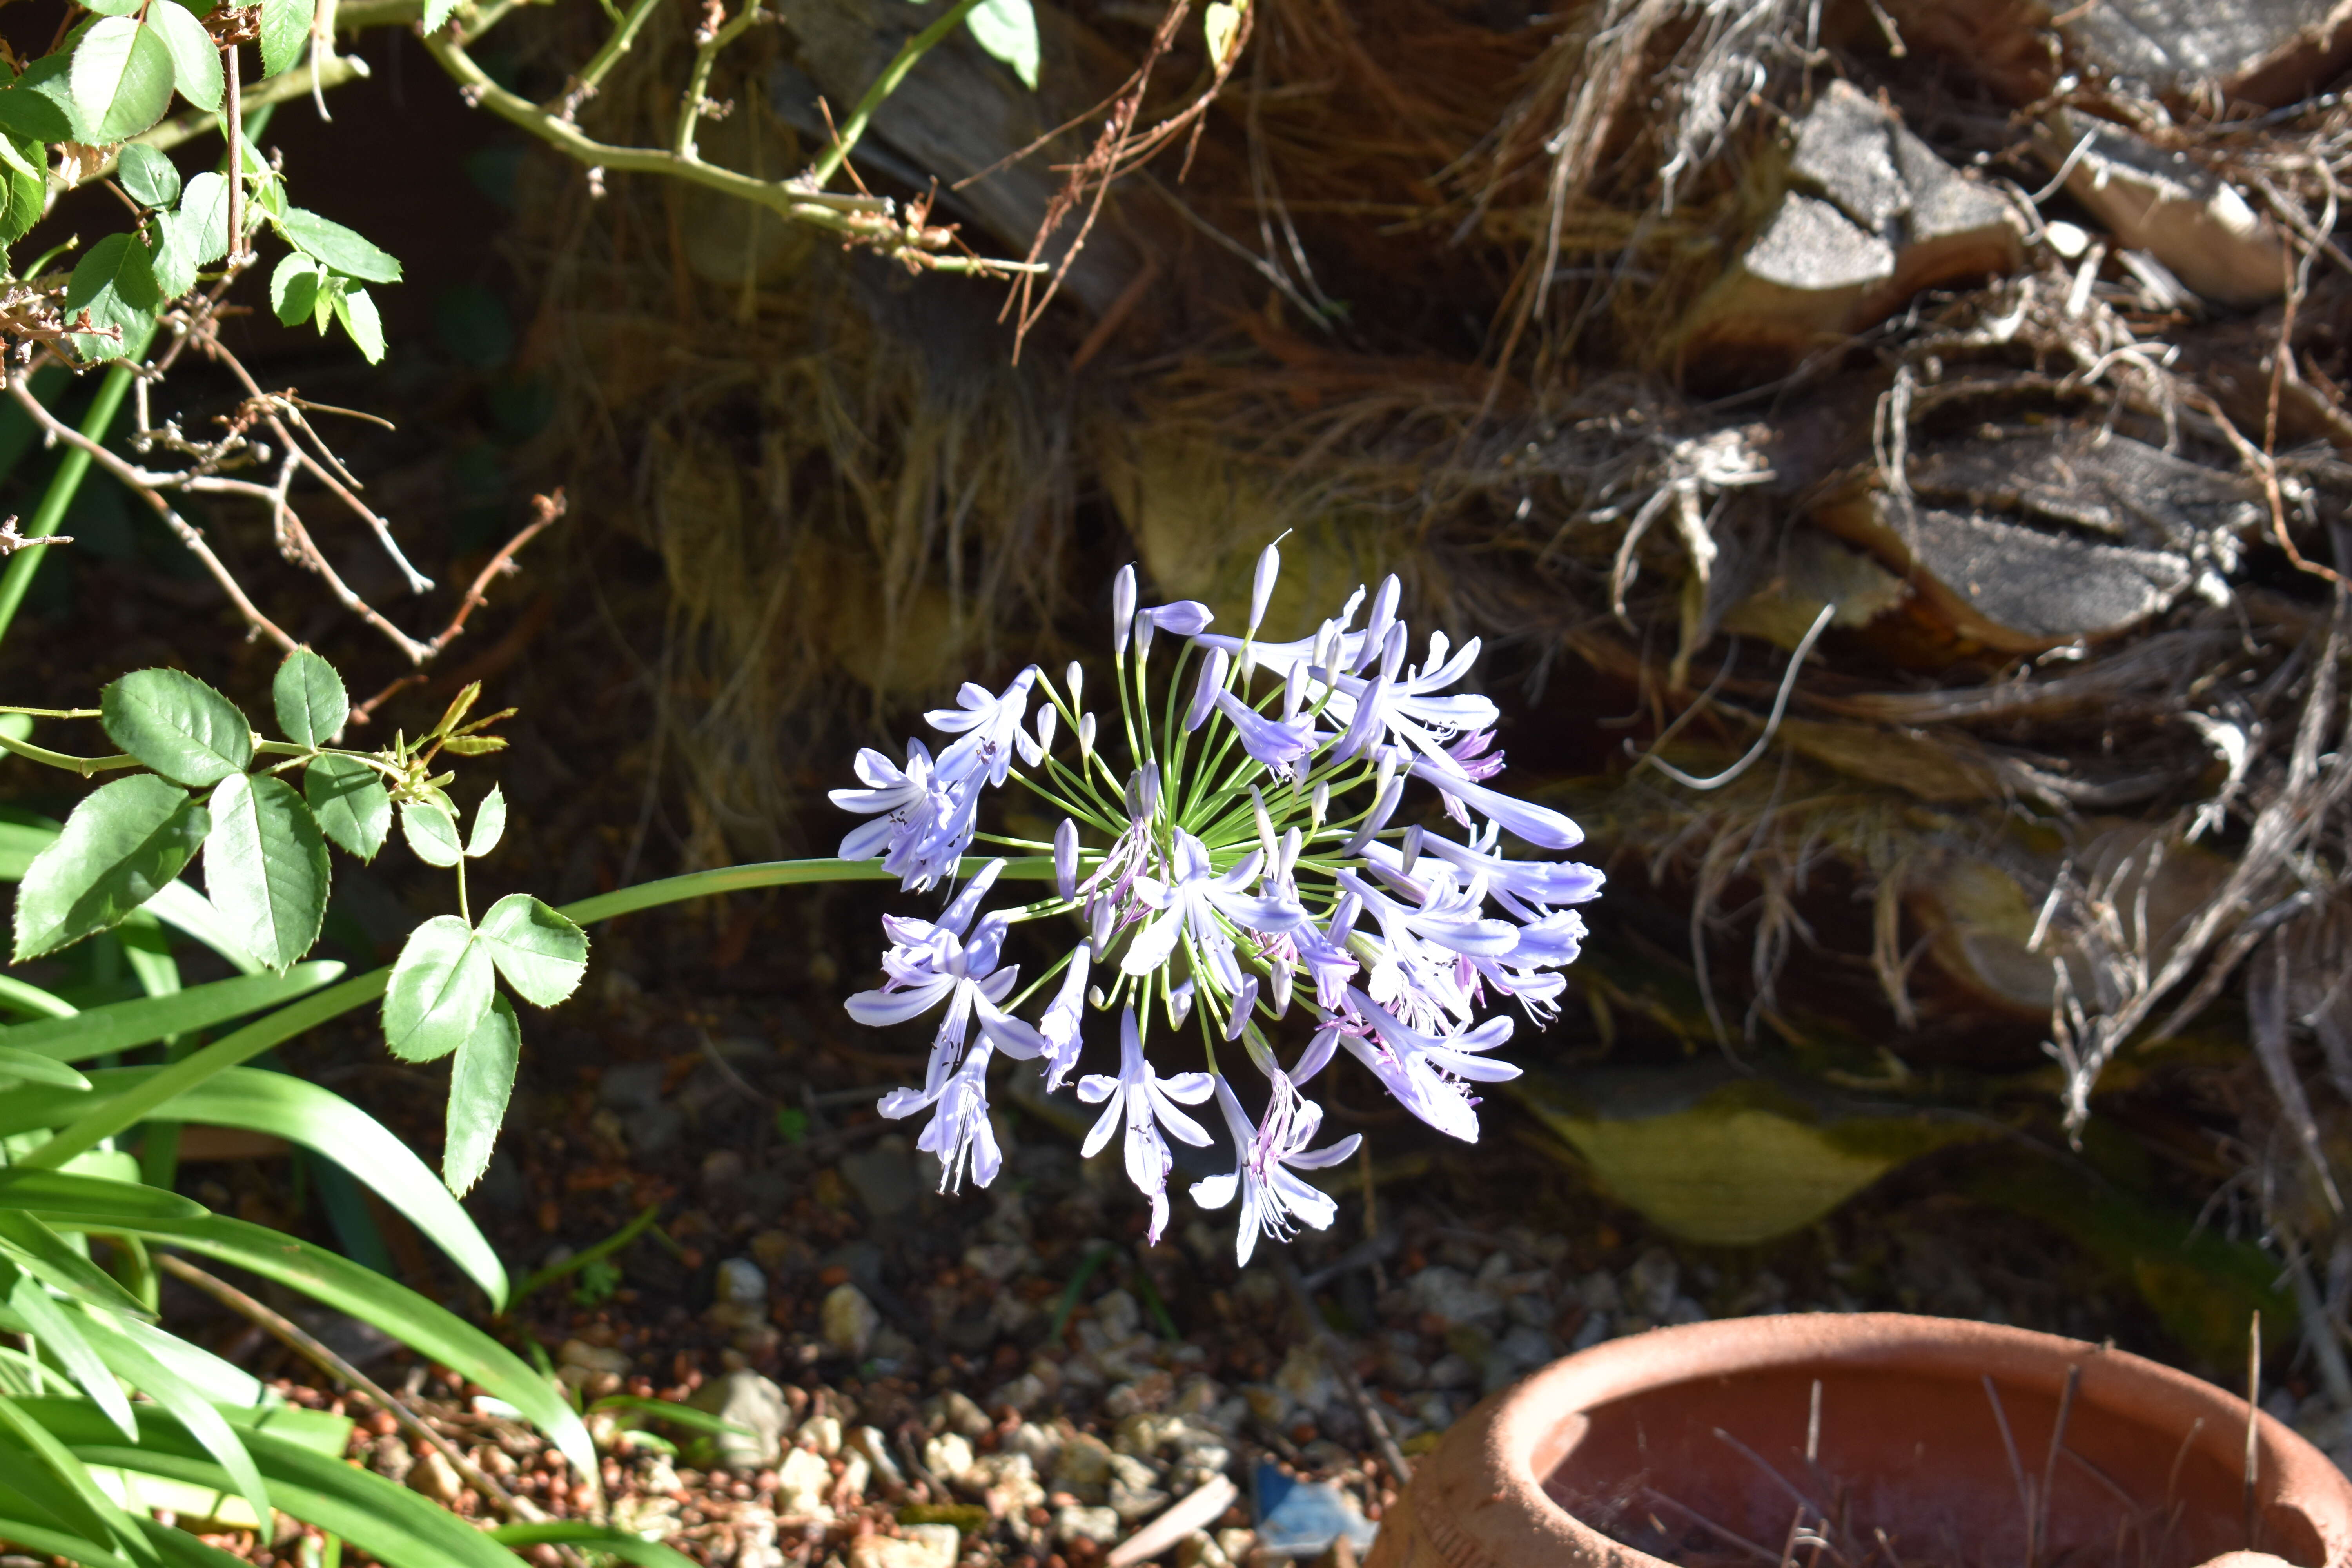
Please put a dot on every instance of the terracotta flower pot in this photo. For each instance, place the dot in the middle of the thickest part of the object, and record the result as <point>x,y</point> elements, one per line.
<point>1613,1455</point>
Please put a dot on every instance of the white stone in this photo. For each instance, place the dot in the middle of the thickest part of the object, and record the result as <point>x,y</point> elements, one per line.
<point>802,1482</point>
<point>849,1320</point>
<point>742,1283</point>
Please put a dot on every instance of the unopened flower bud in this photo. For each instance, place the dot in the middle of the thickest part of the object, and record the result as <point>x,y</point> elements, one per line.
<point>1385,773</point>
<point>1244,1001</point>
<point>1280,989</point>
<point>1144,627</point>
<point>1265,825</point>
<point>1048,718</point>
<point>1327,647</point>
<point>1180,1005</point>
<point>1085,734</point>
<point>1393,652</point>
<point>1066,858</point>
<point>1288,861</point>
<point>1076,675</point>
<point>1409,850</point>
<point>1320,808</point>
<point>1376,629</point>
<point>1098,931</point>
<point>1204,694</point>
<point>1382,809</point>
<point>1122,609</point>
<point>1269,568</point>
<point>1294,691</point>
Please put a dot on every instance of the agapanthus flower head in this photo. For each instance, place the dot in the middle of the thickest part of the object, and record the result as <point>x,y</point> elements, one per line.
<point>1254,821</point>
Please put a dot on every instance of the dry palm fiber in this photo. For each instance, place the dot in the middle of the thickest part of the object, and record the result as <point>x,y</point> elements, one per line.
<point>1412,294</point>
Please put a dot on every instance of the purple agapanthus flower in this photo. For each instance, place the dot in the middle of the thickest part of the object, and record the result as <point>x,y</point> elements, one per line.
<point>1427,1072</point>
<point>1145,1102</point>
<point>1272,1196</point>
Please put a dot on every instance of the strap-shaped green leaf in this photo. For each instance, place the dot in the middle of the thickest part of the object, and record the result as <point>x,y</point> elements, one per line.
<point>187,1404</point>
<point>480,1081</point>
<point>24,996</point>
<point>23,1295</point>
<point>429,1329</point>
<point>266,866</point>
<point>27,1067</point>
<point>386,1520</point>
<point>609,1540</point>
<point>177,725</point>
<point>36,1534</point>
<point>247,1098</point>
<point>440,989</point>
<point>124,843</point>
<point>349,801</point>
<point>54,1193</point>
<point>538,951</point>
<point>310,698</point>
<point>33,1247</point>
<point>59,1484</point>
<point>141,1021</point>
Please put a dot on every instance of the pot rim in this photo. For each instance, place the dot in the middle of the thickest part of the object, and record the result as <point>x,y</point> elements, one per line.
<point>1494,1461</point>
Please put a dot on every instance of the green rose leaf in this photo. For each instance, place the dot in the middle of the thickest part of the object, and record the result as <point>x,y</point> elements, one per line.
<point>1008,30</point>
<point>195,57</point>
<point>490,823</point>
<point>480,1082</point>
<point>431,832</point>
<point>171,253</point>
<point>147,174</point>
<point>285,29</point>
<point>539,952</point>
<point>115,282</point>
<point>349,801</point>
<point>310,698</point>
<point>27,185</point>
<point>121,78</point>
<point>266,867</point>
<point>123,844</point>
<point>294,287</point>
<point>357,314</point>
<point>176,724</point>
<point>341,249</point>
<point>38,105</point>
<point>204,213</point>
<point>440,992</point>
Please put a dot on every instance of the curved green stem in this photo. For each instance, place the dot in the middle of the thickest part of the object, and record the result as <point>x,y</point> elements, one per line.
<point>129,1107</point>
<point>85,766</point>
<point>908,56</point>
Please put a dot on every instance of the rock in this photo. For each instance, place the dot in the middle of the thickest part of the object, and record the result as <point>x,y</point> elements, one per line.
<point>883,1177</point>
<point>1200,1550</point>
<point>722,1172</point>
<point>1650,1283</point>
<point>1302,1519</point>
<point>1099,1526</point>
<point>436,1477</point>
<point>780,1251</point>
<point>822,1434</point>
<point>632,1086</point>
<point>916,1546</point>
<point>1452,1370</point>
<point>1120,1316</point>
<point>803,1484</point>
<point>742,1283</point>
<point>1308,1380</point>
<point>998,1262</point>
<point>755,1540</point>
<point>954,1412</point>
<point>849,1320</point>
<point>1134,1492</point>
<point>590,1358</point>
<point>947,1456</point>
<point>1519,1351</point>
<point>655,1129</point>
<point>744,1398</point>
<point>1005,1484</point>
<point>1023,1394</point>
<point>1450,1296</point>
<point>875,1448</point>
<point>855,1473</point>
<point>1083,1465</point>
